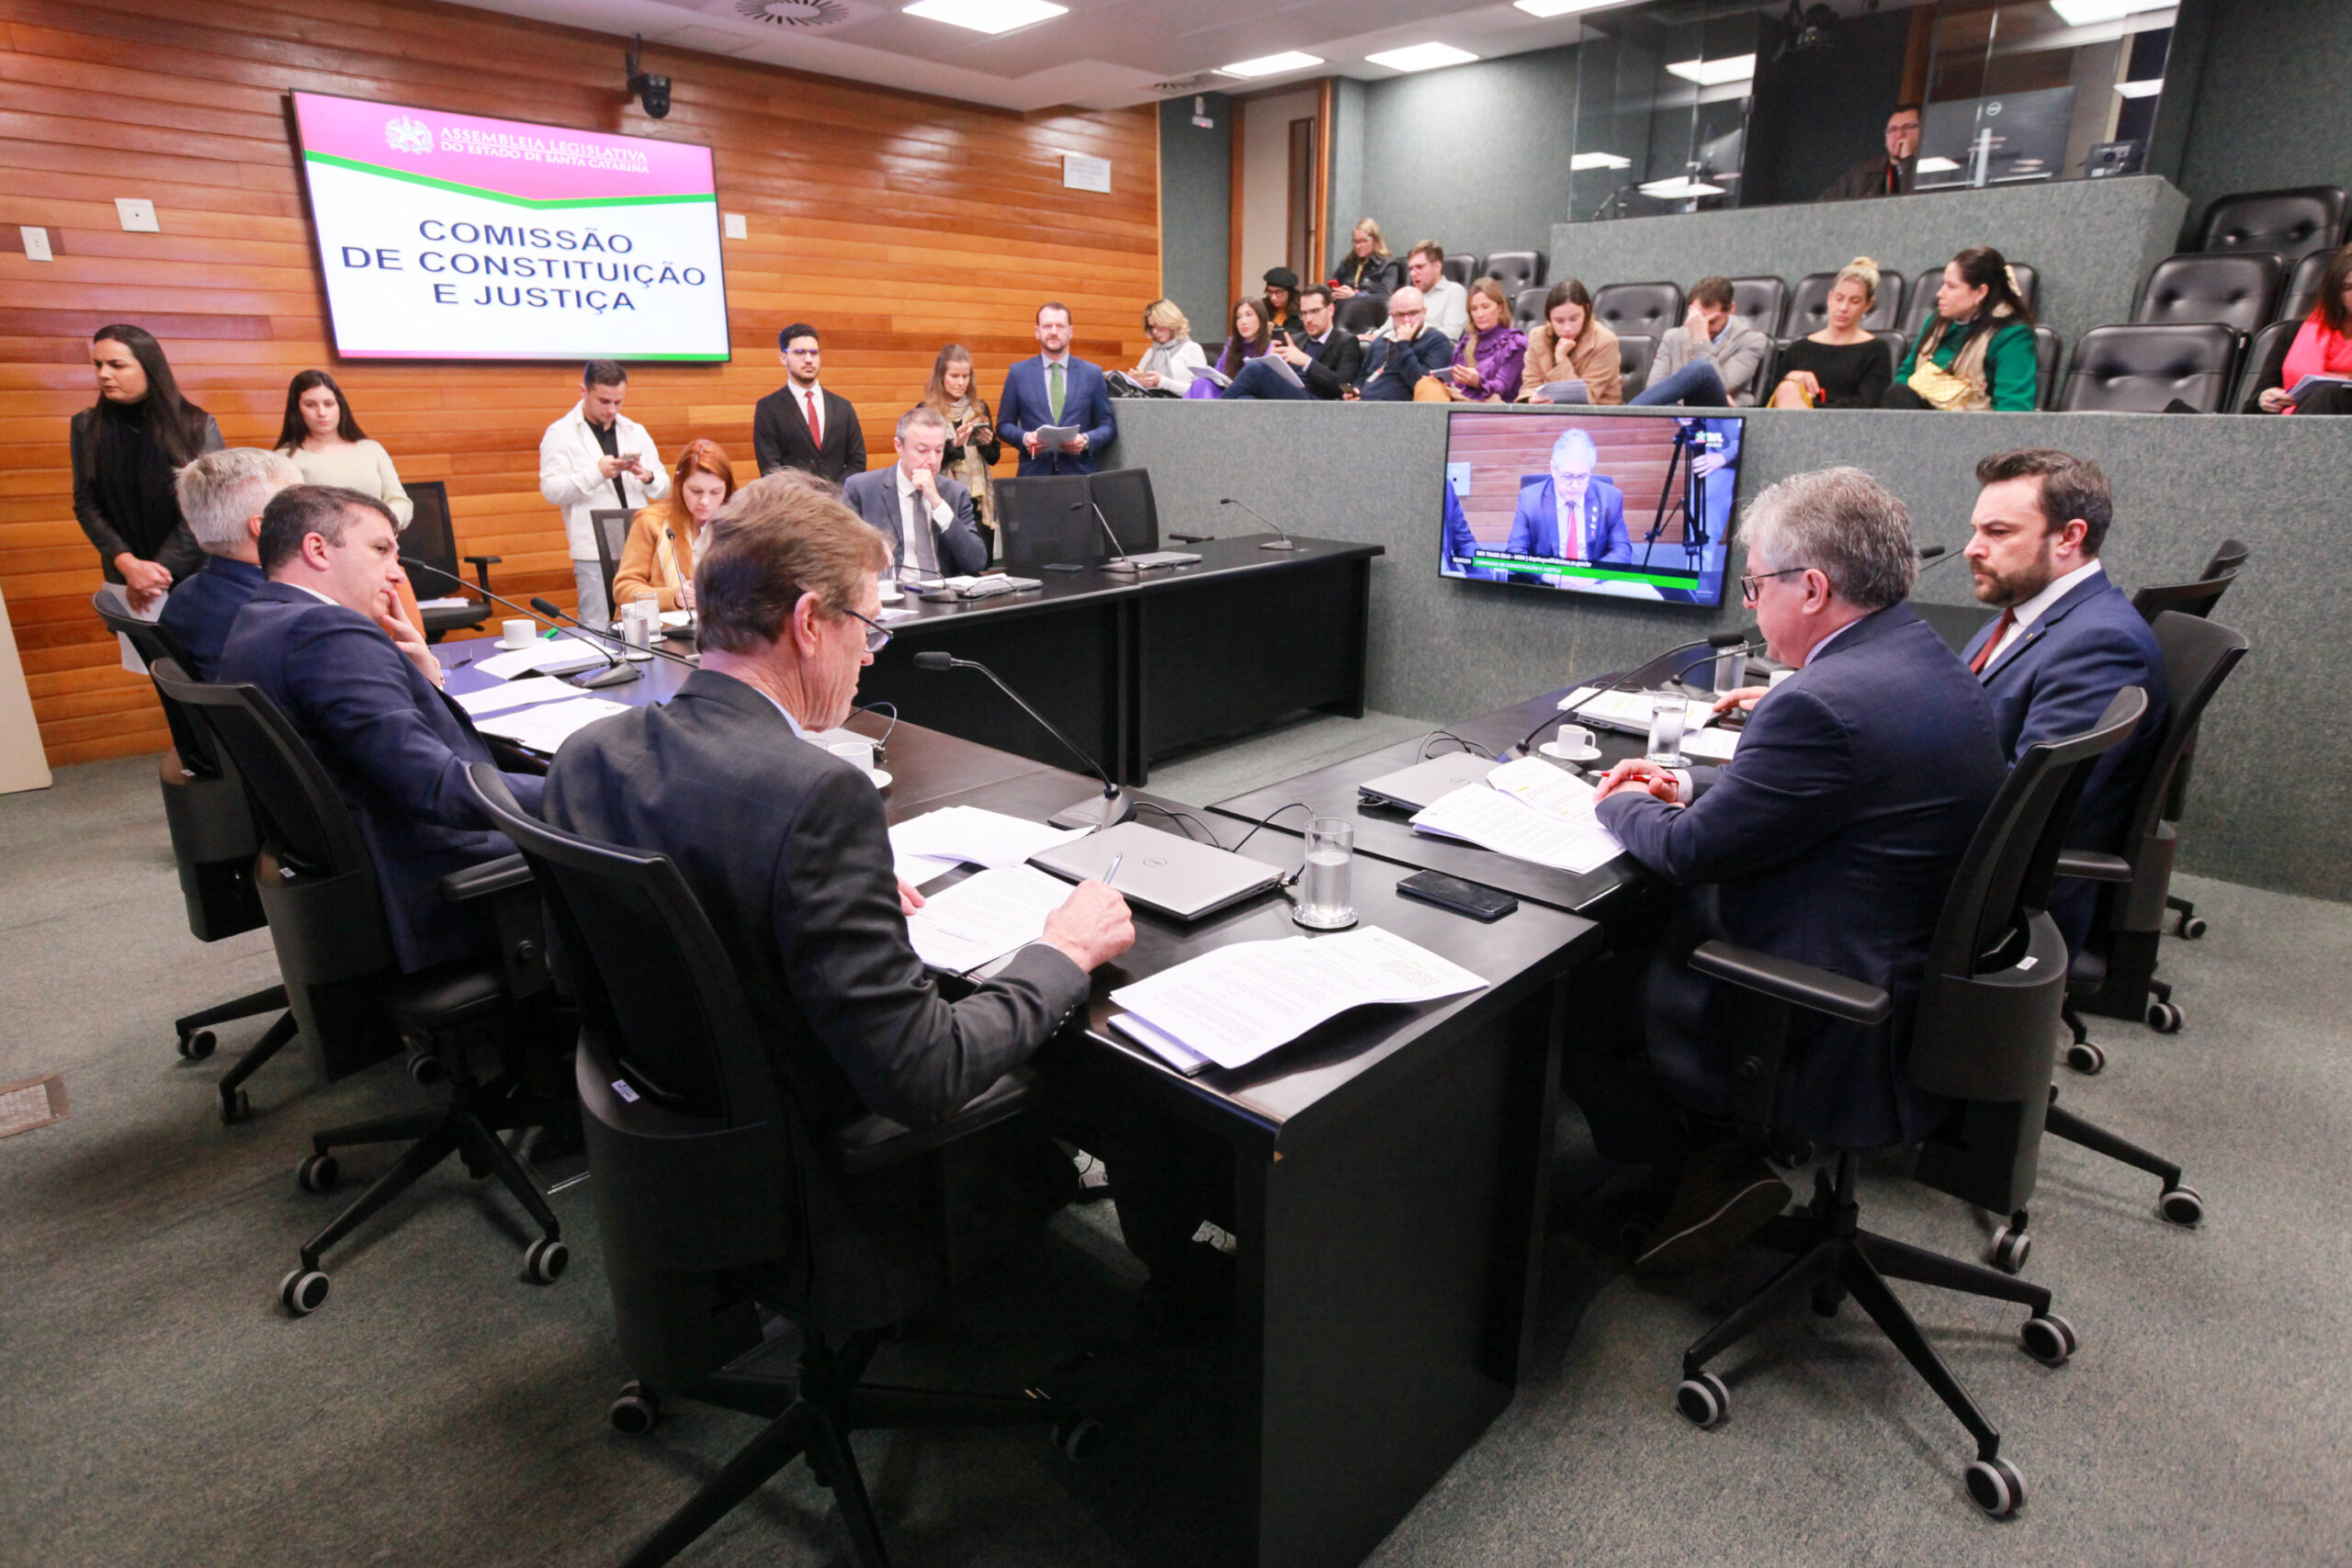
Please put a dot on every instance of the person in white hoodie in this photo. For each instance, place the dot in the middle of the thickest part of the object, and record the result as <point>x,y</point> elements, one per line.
<point>593,457</point>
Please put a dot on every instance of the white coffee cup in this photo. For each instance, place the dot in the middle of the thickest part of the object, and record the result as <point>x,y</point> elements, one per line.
<point>517,632</point>
<point>1574,740</point>
<point>860,752</point>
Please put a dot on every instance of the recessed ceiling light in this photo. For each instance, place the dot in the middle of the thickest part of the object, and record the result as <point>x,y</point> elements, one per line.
<point>2084,13</point>
<point>1270,65</point>
<point>987,15</point>
<point>1421,57</point>
<point>1600,160</point>
<point>2147,89</point>
<point>1560,8</point>
<point>1936,166</point>
<point>1679,187</point>
<point>1714,72</point>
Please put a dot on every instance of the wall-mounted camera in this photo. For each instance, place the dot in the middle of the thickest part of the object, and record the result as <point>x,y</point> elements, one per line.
<point>653,92</point>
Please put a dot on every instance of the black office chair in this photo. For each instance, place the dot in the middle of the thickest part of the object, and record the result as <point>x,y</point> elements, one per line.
<point>2263,364</point>
<point>2292,222</point>
<point>2237,288</point>
<point>1809,305</point>
<point>1762,302</point>
<point>1042,518</point>
<point>1527,307</point>
<point>1647,309</point>
<point>2146,369</point>
<point>1636,352</point>
<point>2194,598</point>
<point>214,845</point>
<point>1985,1033</point>
<point>1124,495</point>
<point>430,539</point>
<point>1363,314</point>
<point>1461,267</point>
<point>2049,348</point>
<point>1897,346</point>
<point>1517,270</point>
<point>610,526</point>
<point>715,1194</point>
<point>318,886</point>
<point>1923,293</point>
<point>2295,300</point>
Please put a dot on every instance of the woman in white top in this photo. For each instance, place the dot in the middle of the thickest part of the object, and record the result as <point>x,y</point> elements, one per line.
<point>1173,358</point>
<point>327,445</point>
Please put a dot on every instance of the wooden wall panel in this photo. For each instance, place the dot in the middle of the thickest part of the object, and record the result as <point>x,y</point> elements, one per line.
<point>894,223</point>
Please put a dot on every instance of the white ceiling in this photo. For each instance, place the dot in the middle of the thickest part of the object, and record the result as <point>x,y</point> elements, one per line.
<point>1103,54</point>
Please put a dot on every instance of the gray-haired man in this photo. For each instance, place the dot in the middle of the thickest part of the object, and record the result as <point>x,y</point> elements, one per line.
<point>222,494</point>
<point>927,517</point>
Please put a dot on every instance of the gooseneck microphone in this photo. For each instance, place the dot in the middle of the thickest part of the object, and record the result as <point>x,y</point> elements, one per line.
<point>1118,560</point>
<point>1936,555</point>
<point>614,672</point>
<point>1112,806</point>
<point>553,612</point>
<point>1283,542</point>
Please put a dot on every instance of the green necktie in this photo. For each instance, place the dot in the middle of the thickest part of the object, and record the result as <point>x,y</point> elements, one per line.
<point>1054,388</point>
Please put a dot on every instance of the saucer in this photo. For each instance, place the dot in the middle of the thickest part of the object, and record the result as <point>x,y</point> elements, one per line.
<point>516,647</point>
<point>881,780</point>
<point>1552,749</point>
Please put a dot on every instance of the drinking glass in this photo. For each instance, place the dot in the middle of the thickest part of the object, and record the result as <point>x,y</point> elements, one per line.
<point>1325,899</point>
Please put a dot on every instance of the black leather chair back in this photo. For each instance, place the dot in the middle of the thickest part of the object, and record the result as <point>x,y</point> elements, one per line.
<point>1527,307</point>
<point>2049,348</point>
<point>1515,270</point>
<point>2257,365</point>
<point>1648,309</point>
<point>1124,495</point>
<point>1762,302</point>
<point>1809,305</point>
<point>154,644</point>
<point>1460,266</point>
<point>2235,288</point>
<point>2198,653</point>
<point>2197,598</point>
<point>1897,346</point>
<point>430,539</point>
<point>1635,352</point>
<point>2292,222</point>
<point>1034,514</point>
<point>610,526</point>
<point>1365,313</point>
<point>2141,370</point>
<point>2295,300</point>
<point>2228,556</point>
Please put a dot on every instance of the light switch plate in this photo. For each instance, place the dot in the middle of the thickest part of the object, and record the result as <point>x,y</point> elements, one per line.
<point>35,242</point>
<point>737,228</point>
<point>138,215</point>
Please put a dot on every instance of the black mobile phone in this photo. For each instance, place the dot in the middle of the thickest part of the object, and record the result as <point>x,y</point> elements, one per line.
<point>1462,898</point>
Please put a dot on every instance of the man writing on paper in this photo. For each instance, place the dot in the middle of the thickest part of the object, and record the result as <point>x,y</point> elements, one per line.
<point>1831,837</point>
<point>786,848</point>
<point>1571,516</point>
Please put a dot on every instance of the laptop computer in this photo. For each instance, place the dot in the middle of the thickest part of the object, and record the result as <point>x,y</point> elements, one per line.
<point>1423,784</point>
<point>1164,872</point>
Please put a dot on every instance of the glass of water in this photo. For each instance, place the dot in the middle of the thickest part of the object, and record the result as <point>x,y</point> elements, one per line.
<point>1731,670</point>
<point>1667,713</point>
<point>1325,901</point>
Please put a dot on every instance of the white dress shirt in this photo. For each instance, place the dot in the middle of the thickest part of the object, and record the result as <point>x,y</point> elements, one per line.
<point>2033,609</point>
<point>800,396</point>
<point>919,538</point>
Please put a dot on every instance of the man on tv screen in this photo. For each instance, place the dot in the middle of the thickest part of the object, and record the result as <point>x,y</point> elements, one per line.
<point>1570,515</point>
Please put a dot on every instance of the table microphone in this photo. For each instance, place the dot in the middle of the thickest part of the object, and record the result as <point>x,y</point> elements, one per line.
<point>1284,543</point>
<point>549,608</point>
<point>1112,806</point>
<point>1935,554</point>
<point>1119,562</point>
<point>614,672</point>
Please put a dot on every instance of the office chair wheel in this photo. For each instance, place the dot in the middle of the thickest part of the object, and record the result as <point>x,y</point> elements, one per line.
<point>428,1071</point>
<point>235,1106</point>
<point>2049,1339</point>
<point>1077,1439</point>
<point>2164,1017</point>
<point>2010,1244</point>
<point>1792,1156</point>
<point>1703,1401</point>
<point>317,1173</point>
<point>636,1411</point>
<point>2181,1206</point>
<point>197,1046</point>
<point>2192,927</point>
<point>303,1292</point>
<point>1994,1486</point>
<point>544,1261</point>
<point>2084,1058</point>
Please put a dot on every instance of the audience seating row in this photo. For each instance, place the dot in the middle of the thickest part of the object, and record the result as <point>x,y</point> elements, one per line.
<point>2294,223</point>
<point>1515,270</point>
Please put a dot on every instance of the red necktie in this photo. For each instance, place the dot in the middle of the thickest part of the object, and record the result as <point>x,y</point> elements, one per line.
<point>1984,654</point>
<point>816,426</point>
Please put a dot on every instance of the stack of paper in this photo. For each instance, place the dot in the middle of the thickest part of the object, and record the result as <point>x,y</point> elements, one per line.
<point>547,728</point>
<point>1710,745</point>
<point>550,656</point>
<point>960,833</point>
<point>1528,811</point>
<point>1631,710</point>
<point>515,695</point>
<point>1232,1005</point>
<point>983,918</point>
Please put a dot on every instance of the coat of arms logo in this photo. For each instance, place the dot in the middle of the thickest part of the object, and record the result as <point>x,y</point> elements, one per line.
<point>406,135</point>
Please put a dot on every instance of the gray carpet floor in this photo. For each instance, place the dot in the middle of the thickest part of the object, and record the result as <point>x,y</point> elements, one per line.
<point>159,1407</point>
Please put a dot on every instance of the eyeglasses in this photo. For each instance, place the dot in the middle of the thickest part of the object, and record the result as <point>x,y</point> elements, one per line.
<point>1749,585</point>
<point>877,637</point>
<point>803,353</point>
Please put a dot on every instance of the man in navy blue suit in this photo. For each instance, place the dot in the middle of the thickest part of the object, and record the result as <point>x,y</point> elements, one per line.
<point>2066,640</point>
<point>221,495</point>
<point>324,638</point>
<point>1830,838</point>
<point>1569,514</point>
<point>1056,389</point>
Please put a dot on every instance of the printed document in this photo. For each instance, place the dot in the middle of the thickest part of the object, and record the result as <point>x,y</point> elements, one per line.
<point>549,656</point>
<point>516,695</point>
<point>1631,710</point>
<point>1510,826</point>
<point>546,729</point>
<point>983,838</point>
<point>983,918</point>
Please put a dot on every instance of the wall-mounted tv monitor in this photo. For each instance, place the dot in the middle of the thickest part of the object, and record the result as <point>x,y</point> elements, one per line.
<point>450,236</point>
<point>1638,506</point>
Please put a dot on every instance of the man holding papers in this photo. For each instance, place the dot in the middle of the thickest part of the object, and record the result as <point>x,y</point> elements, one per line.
<point>1831,837</point>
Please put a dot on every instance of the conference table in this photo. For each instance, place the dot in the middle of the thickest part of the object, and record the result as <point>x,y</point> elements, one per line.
<point>1389,1170</point>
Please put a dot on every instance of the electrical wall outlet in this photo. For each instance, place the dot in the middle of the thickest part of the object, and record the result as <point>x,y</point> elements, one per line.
<point>138,215</point>
<point>35,242</point>
<point>737,228</point>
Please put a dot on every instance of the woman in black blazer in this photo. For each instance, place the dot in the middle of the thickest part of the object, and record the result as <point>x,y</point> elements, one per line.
<point>126,449</point>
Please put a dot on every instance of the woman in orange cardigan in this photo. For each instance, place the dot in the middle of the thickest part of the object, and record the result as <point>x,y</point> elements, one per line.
<point>660,555</point>
<point>1569,345</point>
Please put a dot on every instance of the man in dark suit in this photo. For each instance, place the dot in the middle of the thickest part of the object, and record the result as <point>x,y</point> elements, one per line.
<point>1057,390</point>
<point>2066,640</point>
<point>1327,360</point>
<point>800,425</point>
<point>323,639</point>
<point>1895,172</point>
<point>1407,350</point>
<point>1569,514</point>
<point>222,494</point>
<point>926,517</point>
<point>1830,838</point>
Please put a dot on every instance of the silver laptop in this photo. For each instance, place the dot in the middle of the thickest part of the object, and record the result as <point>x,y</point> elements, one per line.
<point>1166,872</point>
<point>1423,784</point>
<point>1147,559</point>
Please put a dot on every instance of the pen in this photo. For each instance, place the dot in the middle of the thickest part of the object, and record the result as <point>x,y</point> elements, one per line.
<point>1114,869</point>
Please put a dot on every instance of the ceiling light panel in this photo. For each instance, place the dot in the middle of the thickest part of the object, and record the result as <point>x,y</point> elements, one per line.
<point>2147,89</point>
<point>1677,187</point>
<point>987,15</point>
<point>1561,7</point>
<point>1421,57</point>
<point>2088,12</point>
<point>1271,65</point>
<point>1714,72</point>
<point>1583,161</point>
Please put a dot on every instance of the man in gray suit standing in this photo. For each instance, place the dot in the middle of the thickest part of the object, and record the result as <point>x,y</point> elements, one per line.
<point>926,515</point>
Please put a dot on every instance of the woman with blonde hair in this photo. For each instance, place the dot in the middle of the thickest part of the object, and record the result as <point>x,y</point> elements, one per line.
<point>972,443</point>
<point>1492,354</point>
<point>1367,268</point>
<point>1173,358</point>
<point>1843,365</point>
<point>659,557</point>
